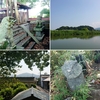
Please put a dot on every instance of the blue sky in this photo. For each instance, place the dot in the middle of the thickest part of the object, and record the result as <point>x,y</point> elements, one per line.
<point>75,13</point>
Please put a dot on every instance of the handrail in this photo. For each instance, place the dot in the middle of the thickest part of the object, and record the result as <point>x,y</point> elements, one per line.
<point>29,33</point>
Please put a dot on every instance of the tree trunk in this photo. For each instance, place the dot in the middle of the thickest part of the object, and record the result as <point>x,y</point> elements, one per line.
<point>7,7</point>
<point>11,3</point>
<point>16,11</point>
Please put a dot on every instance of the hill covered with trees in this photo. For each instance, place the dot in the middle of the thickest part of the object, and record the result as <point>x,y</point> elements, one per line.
<point>82,32</point>
<point>76,28</point>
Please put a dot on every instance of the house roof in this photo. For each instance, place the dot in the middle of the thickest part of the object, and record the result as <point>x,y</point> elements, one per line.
<point>31,91</point>
<point>47,79</point>
<point>20,6</point>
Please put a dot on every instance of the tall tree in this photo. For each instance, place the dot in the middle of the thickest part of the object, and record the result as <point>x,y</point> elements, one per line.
<point>16,11</point>
<point>31,4</point>
<point>42,64</point>
<point>45,2</point>
<point>11,4</point>
<point>45,11</point>
<point>7,6</point>
<point>9,60</point>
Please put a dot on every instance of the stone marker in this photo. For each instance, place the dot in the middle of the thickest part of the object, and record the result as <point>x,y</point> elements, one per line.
<point>39,28</point>
<point>73,72</point>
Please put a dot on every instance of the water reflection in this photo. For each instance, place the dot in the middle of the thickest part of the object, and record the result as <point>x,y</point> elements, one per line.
<point>64,35</point>
<point>76,43</point>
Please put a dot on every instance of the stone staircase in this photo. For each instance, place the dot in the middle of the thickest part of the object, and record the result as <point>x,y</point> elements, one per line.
<point>22,39</point>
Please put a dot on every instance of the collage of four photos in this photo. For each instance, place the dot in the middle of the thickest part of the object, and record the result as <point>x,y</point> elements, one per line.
<point>49,50</point>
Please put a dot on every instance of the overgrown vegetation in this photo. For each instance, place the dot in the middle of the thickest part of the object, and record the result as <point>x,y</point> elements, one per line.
<point>82,93</point>
<point>10,87</point>
<point>82,34</point>
<point>34,85</point>
<point>4,46</point>
<point>59,87</point>
<point>60,90</point>
<point>85,27</point>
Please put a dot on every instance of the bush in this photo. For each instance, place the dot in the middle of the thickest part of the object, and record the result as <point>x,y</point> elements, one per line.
<point>33,85</point>
<point>58,86</point>
<point>10,87</point>
<point>4,46</point>
<point>1,98</point>
<point>82,93</point>
<point>19,89</point>
<point>7,93</point>
<point>16,85</point>
<point>27,85</point>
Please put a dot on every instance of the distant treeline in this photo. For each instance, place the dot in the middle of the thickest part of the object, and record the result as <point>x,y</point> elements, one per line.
<point>76,28</point>
<point>62,34</point>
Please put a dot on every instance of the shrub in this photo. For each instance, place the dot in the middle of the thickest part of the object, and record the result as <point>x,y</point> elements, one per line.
<point>27,85</point>
<point>33,85</point>
<point>10,87</point>
<point>7,93</point>
<point>1,98</point>
<point>4,46</point>
<point>19,89</point>
<point>82,93</point>
<point>16,85</point>
<point>58,86</point>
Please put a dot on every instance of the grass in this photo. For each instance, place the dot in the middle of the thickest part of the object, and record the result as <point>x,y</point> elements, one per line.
<point>81,93</point>
<point>59,89</point>
<point>62,34</point>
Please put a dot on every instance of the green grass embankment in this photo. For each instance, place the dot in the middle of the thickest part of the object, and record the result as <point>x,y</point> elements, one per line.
<point>62,34</point>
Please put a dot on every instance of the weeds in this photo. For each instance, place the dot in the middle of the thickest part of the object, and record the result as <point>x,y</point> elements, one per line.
<point>81,93</point>
<point>59,89</point>
<point>62,34</point>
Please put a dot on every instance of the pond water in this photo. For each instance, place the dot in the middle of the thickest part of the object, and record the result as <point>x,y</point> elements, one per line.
<point>76,43</point>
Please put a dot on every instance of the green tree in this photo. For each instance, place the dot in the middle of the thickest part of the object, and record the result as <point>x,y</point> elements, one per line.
<point>32,3</point>
<point>9,87</point>
<point>46,2</point>
<point>9,60</point>
<point>42,63</point>
<point>45,11</point>
<point>85,29</point>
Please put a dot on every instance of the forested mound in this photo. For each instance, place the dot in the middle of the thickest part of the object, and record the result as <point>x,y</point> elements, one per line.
<point>76,28</point>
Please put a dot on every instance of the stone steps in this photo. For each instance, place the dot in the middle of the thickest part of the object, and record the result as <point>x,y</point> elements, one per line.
<point>22,42</point>
<point>21,38</point>
<point>30,45</point>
